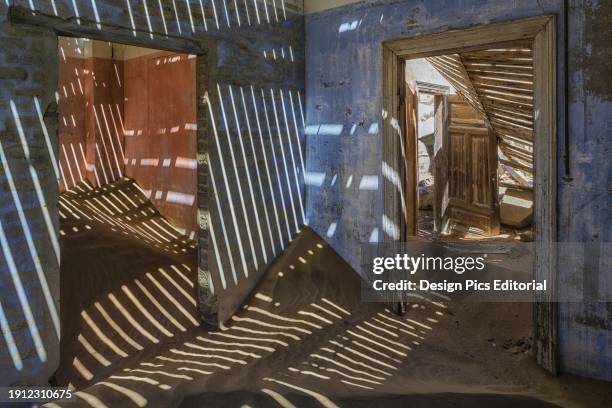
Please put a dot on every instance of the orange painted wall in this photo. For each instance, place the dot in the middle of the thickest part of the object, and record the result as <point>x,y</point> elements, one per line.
<point>105,118</point>
<point>160,141</point>
<point>72,122</point>
<point>134,118</point>
<point>90,98</point>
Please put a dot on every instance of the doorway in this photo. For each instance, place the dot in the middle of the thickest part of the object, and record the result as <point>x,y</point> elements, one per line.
<point>400,200</point>
<point>128,209</point>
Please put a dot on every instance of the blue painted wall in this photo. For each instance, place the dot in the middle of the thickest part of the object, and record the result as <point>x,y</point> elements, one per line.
<point>343,85</point>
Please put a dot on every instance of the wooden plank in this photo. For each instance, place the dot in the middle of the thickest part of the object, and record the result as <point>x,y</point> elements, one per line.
<point>493,180</point>
<point>524,51</point>
<point>509,89</point>
<point>519,98</point>
<point>411,186</point>
<point>522,133</point>
<point>501,72</point>
<point>519,145</point>
<point>502,85</point>
<point>451,67</point>
<point>516,165</point>
<point>517,186</point>
<point>467,39</point>
<point>545,193</point>
<point>513,158</point>
<point>500,58</point>
<point>521,154</point>
<point>493,81</point>
<point>504,111</point>
<point>523,123</point>
<point>393,171</point>
<point>516,139</point>
<point>480,210</point>
<point>518,64</point>
<point>519,178</point>
<point>496,104</point>
<point>469,122</point>
<point>461,129</point>
<point>442,121</point>
<point>507,100</point>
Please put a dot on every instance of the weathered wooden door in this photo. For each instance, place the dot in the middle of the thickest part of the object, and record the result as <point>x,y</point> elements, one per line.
<point>472,171</point>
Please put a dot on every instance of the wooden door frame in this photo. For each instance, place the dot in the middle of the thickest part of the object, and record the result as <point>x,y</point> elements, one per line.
<point>541,30</point>
<point>412,151</point>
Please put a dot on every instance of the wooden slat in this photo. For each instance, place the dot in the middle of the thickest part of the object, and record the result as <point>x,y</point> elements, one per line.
<point>468,39</point>
<point>517,150</point>
<point>493,80</point>
<point>516,127</point>
<point>527,115</point>
<point>510,103</point>
<point>501,72</point>
<point>521,64</point>
<point>469,122</point>
<point>516,139</point>
<point>504,88</point>
<point>499,59</point>
<point>517,166</point>
<point>519,178</point>
<point>516,155</point>
<point>467,129</point>
<point>451,68</point>
<point>510,52</point>
<point>496,104</point>
<point>517,186</point>
<point>512,119</point>
<point>520,97</point>
<point>545,192</point>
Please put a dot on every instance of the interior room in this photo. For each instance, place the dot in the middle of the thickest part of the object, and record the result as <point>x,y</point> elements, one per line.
<point>483,102</point>
<point>200,199</point>
<point>127,201</point>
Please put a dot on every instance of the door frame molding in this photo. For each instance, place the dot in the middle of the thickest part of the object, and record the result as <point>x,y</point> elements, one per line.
<point>441,91</point>
<point>541,30</point>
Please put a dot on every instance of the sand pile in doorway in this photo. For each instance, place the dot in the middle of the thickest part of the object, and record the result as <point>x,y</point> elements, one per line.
<point>127,281</point>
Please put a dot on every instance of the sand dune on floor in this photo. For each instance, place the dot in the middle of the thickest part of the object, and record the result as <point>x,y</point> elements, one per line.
<point>128,281</point>
<point>303,338</point>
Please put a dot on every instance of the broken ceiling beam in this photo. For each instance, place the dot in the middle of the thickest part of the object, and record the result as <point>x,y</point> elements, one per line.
<point>518,177</point>
<point>451,67</point>
<point>516,165</point>
<point>516,186</point>
<point>516,151</point>
<point>493,80</point>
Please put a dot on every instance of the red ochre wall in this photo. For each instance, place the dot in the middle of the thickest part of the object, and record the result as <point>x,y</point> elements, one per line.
<point>130,116</point>
<point>72,149</point>
<point>90,106</point>
<point>160,141</point>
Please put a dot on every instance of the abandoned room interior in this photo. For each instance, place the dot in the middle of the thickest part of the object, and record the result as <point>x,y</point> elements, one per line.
<point>195,196</point>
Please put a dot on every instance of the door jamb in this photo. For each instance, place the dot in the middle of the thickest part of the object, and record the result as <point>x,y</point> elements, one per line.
<point>439,91</point>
